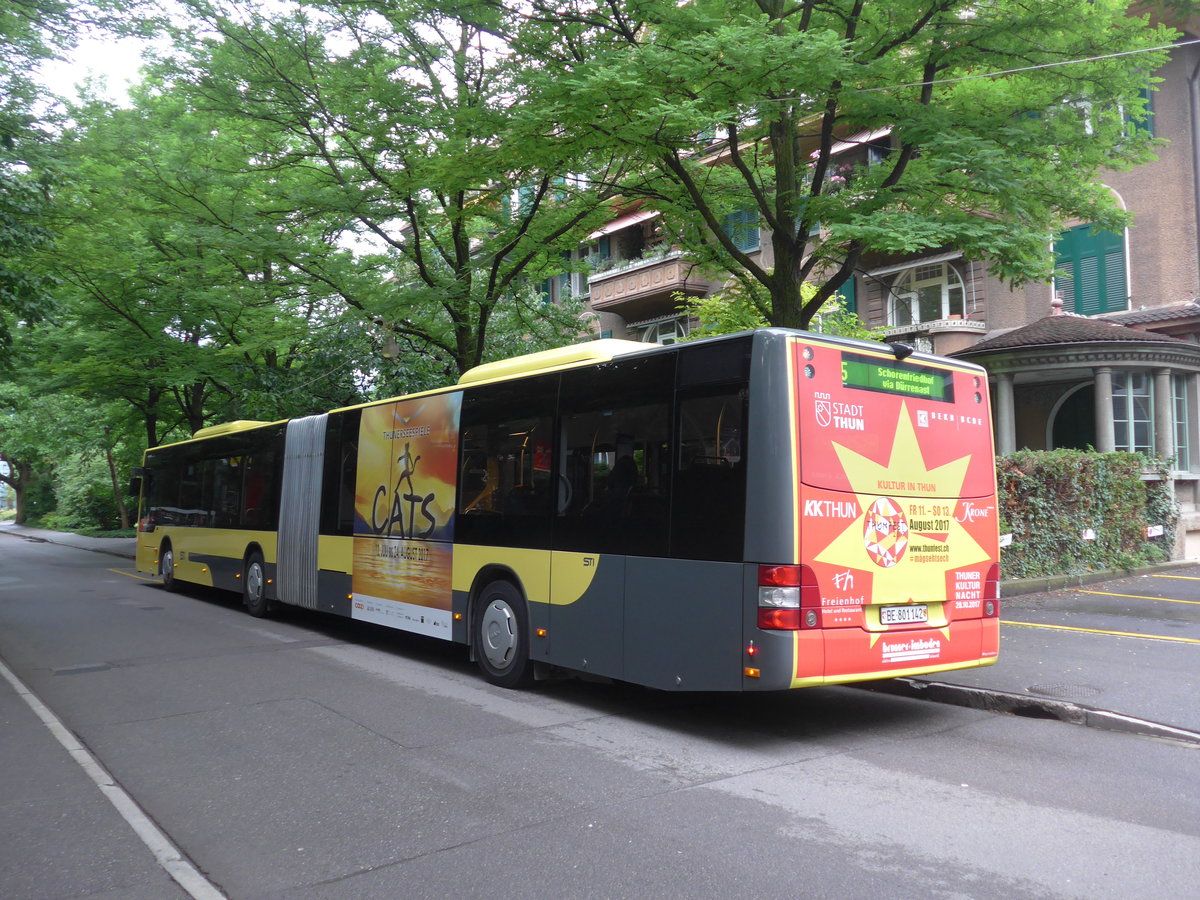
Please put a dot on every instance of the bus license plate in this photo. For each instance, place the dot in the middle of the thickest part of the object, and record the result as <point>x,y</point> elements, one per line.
<point>903,615</point>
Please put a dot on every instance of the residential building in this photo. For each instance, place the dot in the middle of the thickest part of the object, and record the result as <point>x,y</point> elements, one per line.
<point>1107,355</point>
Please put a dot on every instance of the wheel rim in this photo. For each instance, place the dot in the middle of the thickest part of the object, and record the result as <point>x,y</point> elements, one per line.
<point>498,630</point>
<point>254,582</point>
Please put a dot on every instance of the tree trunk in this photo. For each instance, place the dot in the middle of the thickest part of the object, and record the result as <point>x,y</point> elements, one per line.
<point>118,494</point>
<point>18,478</point>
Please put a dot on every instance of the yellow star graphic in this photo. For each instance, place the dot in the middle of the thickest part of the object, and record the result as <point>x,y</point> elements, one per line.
<point>926,496</point>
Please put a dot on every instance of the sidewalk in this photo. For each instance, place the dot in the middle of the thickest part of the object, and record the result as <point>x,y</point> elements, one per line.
<point>1065,652</point>
<point>125,547</point>
<point>1119,651</point>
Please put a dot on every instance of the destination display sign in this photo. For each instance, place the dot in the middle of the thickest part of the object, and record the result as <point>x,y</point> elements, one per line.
<point>871,373</point>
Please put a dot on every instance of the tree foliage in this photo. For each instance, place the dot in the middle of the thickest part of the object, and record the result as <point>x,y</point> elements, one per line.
<point>735,308</point>
<point>187,289</point>
<point>29,33</point>
<point>404,119</point>
<point>986,123</point>
<point>32,32</point>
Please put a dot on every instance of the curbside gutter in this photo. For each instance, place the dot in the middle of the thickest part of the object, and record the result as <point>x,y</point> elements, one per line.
<point>1030,707</point>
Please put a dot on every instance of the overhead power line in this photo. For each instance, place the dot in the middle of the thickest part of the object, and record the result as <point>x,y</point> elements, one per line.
<point>1049,65</point>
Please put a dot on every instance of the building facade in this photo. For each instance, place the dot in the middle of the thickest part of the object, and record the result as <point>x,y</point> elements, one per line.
<point>1106,355</point>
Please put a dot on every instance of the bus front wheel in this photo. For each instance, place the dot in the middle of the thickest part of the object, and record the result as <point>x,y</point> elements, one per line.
<point>166,566</point>
<point>501,636</point>
<point>254,586</point>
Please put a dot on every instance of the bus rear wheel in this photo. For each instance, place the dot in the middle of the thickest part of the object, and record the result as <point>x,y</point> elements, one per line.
<point>501,636</point>
<point>254,586</point>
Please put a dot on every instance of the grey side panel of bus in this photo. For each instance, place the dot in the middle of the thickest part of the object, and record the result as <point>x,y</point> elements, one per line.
<point>770,504</point>
<point>300,512</point>
<point>334,592</point>
<point>586,635</point>
<point>683,624</point>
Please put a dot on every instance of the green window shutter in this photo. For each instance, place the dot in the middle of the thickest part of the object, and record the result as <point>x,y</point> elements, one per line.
<point>525,195</point>
<point>847,290</point>
<point>742,228</point>
<point>1146,124</point>
<point>1089,270</point>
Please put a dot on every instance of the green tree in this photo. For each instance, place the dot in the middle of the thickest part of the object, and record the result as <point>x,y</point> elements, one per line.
<point>32,32</point>
<point>29,426</point>
<point>407,119</point>
<point>29,33</point>
<point>187,289</point>
<point>736,309</point>
<point>987,123</point>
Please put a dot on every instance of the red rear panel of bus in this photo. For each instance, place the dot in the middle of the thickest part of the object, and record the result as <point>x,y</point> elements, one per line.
<point>896,496</point>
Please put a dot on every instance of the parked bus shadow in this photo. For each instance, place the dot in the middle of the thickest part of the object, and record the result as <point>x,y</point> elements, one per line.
<point>758,719</point>
<point>738,720</point>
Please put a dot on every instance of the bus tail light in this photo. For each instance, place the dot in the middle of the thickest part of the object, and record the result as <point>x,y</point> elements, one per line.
<point>787,598</point>
<point>991,592</point>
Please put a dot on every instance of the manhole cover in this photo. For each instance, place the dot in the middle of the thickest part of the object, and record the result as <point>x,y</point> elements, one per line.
<point>1065,691</point>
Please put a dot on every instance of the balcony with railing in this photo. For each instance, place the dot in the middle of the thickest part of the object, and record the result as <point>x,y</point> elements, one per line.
<point>640,288</point>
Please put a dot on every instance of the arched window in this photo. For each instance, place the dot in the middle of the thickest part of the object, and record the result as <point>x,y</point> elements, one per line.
<point>668,332</point>
<point>926,293</point>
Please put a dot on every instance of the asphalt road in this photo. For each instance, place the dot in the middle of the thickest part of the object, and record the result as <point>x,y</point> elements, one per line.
<point>309,757</point>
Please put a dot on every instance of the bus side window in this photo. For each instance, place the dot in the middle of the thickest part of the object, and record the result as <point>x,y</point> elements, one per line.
<point>505,491</point>
<point>340,472</point>
<point>708,517</point>
<point>258,496</point>
<point>227,491</point>
<point>191,492</point>
<point>162,501</point>
<point>614,468</point>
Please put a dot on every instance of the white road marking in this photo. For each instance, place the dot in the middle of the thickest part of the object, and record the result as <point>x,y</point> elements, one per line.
<point>185,874</point>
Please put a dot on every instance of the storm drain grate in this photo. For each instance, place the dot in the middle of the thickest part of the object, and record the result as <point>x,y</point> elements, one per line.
<point>1066,691</point>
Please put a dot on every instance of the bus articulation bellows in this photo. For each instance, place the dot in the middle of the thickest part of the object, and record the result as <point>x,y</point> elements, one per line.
<point>761,511</point>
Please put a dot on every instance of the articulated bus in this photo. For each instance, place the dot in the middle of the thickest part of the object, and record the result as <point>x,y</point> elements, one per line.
<point>761,511</point>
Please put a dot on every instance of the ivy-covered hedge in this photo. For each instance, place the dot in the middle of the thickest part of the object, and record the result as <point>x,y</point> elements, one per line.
<point>1050,501</point>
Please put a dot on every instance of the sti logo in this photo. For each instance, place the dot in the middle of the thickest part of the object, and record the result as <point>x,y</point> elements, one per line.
<point>824,413</point>
<point>922,418</point>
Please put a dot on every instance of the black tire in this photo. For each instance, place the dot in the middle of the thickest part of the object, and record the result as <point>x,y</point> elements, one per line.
<point>166,567</point>
<point>500,636</point>
<point>254,586</point>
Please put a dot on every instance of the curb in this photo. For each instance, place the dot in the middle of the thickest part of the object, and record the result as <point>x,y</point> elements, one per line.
<point>1030,707</point>
<point>1019,586</point>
